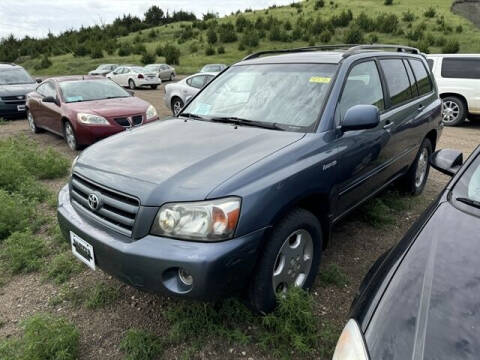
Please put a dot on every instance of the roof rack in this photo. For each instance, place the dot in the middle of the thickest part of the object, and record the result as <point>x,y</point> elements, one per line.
<point>350,49</point>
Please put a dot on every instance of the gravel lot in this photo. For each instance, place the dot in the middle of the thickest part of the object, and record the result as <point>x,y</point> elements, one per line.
<point>354,247</point>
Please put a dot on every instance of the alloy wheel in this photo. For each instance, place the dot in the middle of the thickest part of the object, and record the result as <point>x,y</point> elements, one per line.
<point>70,136</point>
<point>31,122</point>
<point>422,166</point>
<point>293,262</point>
<point>177,106</point>
<point>450,111</point>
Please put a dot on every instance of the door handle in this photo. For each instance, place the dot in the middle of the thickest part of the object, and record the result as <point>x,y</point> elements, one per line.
<point>388,124</point>
<point>420,107</point>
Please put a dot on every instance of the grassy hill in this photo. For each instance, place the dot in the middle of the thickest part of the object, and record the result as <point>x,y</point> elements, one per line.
<point>431,26</point>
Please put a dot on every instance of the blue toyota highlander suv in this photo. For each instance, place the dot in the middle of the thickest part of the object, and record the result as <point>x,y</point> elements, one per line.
<point>240,191</point>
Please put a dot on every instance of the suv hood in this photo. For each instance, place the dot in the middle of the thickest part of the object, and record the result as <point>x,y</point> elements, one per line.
<point>16,89</point>
<point>177,160</point>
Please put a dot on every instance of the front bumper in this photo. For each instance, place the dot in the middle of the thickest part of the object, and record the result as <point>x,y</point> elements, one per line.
<point>152,262</point>
<point>147,82</point>
<point>11,110</point>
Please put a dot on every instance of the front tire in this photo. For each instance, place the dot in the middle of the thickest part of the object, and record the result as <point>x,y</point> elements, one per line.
<point>172,77</point>
<point>453,111</point>
<point>70,136</point>
<point>177,105</point>
<point>154,87</point>
<point>31,123</point>
<point>131,84</point>
<point>290,258</point>
<point>416,178</point>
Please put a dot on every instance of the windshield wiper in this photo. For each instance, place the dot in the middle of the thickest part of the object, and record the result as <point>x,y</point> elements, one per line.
<point>469,201</point>
<point>240,121</point>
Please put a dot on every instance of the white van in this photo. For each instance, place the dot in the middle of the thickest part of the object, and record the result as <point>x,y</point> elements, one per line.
<point>458,81</point>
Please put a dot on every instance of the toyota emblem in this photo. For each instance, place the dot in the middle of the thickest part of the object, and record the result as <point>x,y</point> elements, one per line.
<point>93,202</point>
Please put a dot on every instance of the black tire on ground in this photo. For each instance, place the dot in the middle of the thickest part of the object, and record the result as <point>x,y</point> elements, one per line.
<point>414,182</point>
<point>454,111</point>
<point>261,293</point>
<point>31,122</point>
<point>475,118</point>
<point>153,87</point>
<point>171,77</point>
<point>177,105</point>
<point>131,84</point>
<point>70,136</point>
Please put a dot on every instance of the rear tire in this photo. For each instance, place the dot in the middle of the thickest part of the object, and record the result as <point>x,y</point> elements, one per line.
<point>154,87</point>
<point>453,111</point>
<point>291,257</point>
<point>416,178</point>
<point>177,105</point>
<point>172,77</point>
<point>31,123</point>
<point>131,84</point>
<point>70,136</point>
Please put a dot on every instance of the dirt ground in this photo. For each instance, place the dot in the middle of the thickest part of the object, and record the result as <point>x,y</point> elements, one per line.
<point>354,247</point>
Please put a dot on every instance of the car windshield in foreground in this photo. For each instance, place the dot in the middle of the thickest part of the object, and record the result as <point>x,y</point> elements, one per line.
<point>467,189</point>
<point>278,95</point>
<point>15,76</point>
<point>89,90</point>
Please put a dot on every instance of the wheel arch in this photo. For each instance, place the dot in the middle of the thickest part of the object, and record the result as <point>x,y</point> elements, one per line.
<point>453,94</point>
<point>432,136</point>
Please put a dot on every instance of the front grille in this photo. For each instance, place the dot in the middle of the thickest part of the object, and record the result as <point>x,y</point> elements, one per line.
<point>129,121</point>
<point>115,210</point>
<point>14,100</point>
<point>123,121</point>
<point>137,120</point>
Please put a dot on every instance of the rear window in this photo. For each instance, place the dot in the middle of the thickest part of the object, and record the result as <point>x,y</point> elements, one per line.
<point>430,63</point>
<point>397,80</point>
<point>424,84</point>
<point>461,68</point>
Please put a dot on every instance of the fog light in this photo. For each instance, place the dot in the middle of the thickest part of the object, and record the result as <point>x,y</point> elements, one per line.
<point>185,277</point>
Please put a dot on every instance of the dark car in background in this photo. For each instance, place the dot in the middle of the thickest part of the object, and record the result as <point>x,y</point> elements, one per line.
<point>85,109</point>
<point>103,69</point>
<point>15,83</point>
<point>240,191</point>
<point>421,299</point>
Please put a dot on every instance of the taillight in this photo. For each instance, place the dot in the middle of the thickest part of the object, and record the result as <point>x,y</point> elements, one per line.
<point>140,76</point>
<point>350,345</point>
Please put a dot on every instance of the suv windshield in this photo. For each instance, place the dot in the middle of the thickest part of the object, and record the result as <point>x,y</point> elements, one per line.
<point>468,186</point>
<point>88,90</point>
<point>285,94</point>
<point>15,76</point>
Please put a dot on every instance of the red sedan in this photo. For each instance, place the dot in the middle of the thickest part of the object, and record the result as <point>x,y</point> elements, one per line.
<point>85,109</point>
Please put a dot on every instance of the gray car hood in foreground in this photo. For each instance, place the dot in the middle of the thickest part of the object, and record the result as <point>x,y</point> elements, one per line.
<point>177,160</point>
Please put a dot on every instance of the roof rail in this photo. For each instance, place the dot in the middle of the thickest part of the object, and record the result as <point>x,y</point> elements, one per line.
<point>350,49</point>
<point>397,48</point>
<point>295,50</point>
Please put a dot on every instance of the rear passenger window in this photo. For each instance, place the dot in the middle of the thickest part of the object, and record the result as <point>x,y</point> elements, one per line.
<point>411,77</point>
<point>397,80</point>
<point>363,87</point>
<point>462,68</point>
<point>424,83</point>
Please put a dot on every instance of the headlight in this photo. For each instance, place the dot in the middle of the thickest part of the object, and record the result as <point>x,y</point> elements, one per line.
<point>91,119</point>
<point>350,345</point>
<point>212,220</point>
<point>151,112</point>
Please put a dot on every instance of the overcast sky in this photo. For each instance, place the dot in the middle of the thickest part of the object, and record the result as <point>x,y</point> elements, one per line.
<point>37,17</point>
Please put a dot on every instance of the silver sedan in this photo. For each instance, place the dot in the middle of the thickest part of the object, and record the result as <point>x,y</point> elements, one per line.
<point>177,94</point>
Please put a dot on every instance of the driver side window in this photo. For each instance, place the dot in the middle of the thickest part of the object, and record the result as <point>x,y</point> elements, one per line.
<point>47,89</point>
<point>363,87</point>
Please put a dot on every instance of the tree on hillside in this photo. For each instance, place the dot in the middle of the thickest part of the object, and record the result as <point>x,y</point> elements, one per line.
<point>154,16</point>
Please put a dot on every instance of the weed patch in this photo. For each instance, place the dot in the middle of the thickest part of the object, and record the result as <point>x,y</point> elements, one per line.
<point>62,267</point>
<point>333,275</point>
<point>141,345</point>
<point>101,296</point>
<point>23,252</point>
<point>383,211</point>
<point>44,337</point>
<point>16,214</point>
<point>74,296</point>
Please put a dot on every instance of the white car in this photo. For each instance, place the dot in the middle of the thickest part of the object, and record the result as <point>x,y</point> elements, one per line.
<point>458,81</point>
<point>177,94</point>
<point>163,71</point>
<point>134,76</point>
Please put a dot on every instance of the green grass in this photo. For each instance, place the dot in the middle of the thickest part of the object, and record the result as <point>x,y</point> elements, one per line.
<point>192,62</point>
<point>141,345</point>
<point>102,295</point>
<point>16,214</point>
<point>68,294</point>
<point>383,211</point>
<point>22,252</point>
<point>333,275</point>
<point>62,267</point>
<point>45,337</point>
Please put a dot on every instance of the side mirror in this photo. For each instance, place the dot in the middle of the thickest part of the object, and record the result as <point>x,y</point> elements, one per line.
<point>447,161</point>
<point>361,117</point>
<point>38,80</point>
<point>50,99</point>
